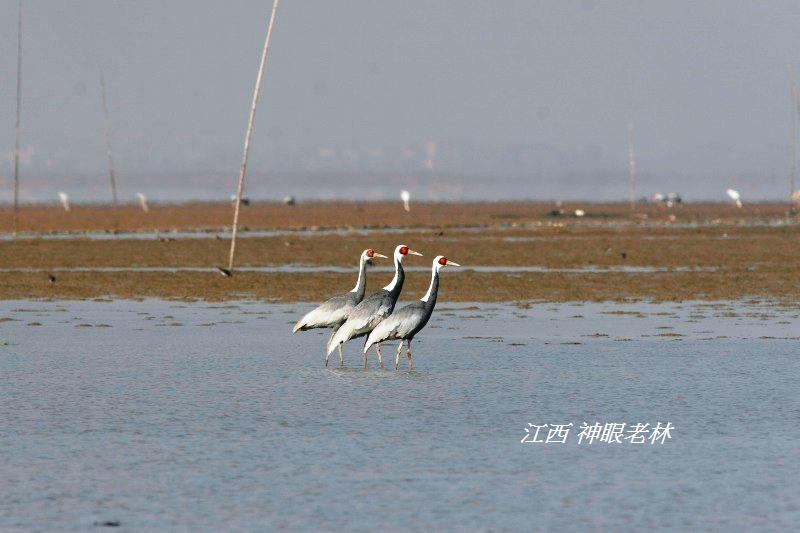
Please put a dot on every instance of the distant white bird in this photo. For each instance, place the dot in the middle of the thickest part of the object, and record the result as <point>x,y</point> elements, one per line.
<point>64,200</point>
<point>670,199</point>
<point>289,200</point>
<point>580,212</point>
<point>735,196</point>
<point>673,199</point>
<point>406,197</point>
<point>143,201</point>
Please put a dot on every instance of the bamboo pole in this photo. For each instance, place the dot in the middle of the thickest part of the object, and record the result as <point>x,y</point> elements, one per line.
<point>248,134</point>
<point>796,127</point>
<point>109,152</point>
<point>793,95</point>
<point>631,152</point>
<point>631,167</point>
<point>19,112</point>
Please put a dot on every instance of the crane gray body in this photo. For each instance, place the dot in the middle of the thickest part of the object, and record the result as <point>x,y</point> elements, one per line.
<point>407,321</point>
<point>371,311</point>
<point>331,313</point>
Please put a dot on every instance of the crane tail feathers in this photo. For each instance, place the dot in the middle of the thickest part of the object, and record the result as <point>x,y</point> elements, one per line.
<point>301,325</point>
<point>369,342</point>
<point>339,337</point>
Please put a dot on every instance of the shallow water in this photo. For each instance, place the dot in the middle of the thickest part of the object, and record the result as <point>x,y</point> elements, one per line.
<point>201,234</point>
<point>221,233</point>
<point>176,416</point>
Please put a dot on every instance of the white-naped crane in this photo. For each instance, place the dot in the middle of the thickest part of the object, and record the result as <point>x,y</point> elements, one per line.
<point>375,308</point>
<point>409,320</point>
<point>333,312</point>
<point>142,201</point>
<point>406,197</point>
<point>64,199</point>
<point>734,195</point>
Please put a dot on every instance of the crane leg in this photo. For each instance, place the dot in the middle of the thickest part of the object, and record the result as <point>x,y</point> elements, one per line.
<point>327,355</point>
<point>341,357</point>
<point>366,359</point>
<point>408,354</point>
<point>397,357</point>
<point>380,357</point>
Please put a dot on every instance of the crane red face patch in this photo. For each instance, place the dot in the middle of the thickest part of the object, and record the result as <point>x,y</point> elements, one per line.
<point>370,253</point>
<point>404,250</point>
<point>443,261</point>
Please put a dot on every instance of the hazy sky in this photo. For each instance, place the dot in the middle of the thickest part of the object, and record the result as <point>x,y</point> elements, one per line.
<point>531,90</point>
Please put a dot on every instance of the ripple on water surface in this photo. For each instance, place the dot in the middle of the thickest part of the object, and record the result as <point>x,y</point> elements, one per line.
<point>165,415</point>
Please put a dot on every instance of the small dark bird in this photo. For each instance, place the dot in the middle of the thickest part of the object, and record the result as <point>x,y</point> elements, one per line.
<point>225,272</point>
<point>52,278</point>
<point>108,523</point>
<point>624,255</point>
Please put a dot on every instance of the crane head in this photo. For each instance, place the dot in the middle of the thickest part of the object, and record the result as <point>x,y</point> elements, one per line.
<point>402,250</point>
<point>368,254</point>
<point>442,261</point>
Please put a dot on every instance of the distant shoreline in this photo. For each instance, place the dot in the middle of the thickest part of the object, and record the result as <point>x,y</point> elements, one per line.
<point>216,216</point>
<point>693,252</point>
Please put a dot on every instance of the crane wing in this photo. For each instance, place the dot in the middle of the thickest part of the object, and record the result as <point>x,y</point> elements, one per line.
<point>328,314</point>
<point>397,325</point>
<point>368,313</point>
<point>363,318</point>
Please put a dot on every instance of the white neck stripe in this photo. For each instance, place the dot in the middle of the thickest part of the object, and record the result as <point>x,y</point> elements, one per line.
<point>390,287</point>
<point>427,296</point>
<point>361,268</point>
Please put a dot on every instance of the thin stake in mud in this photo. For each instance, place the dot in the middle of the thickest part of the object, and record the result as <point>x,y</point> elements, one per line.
<point>631,167</point>
<point>795,101</point>
<point>246,150</point>
<point>109,151</point>
<point>631,151</point>
<point>19,111</point>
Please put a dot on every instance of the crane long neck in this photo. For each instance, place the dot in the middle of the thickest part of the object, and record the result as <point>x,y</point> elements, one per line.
<point>361,283</point>
<point>396,285</point>
<point>433,290</point>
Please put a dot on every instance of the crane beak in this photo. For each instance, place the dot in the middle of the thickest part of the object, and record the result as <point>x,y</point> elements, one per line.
<point>452,263</point>
<point>376,254</point>
<point>412,252</point>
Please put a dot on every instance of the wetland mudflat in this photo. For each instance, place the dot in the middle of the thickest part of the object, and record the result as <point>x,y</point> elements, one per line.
<point>174,415</point>
<point>510,251</point>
